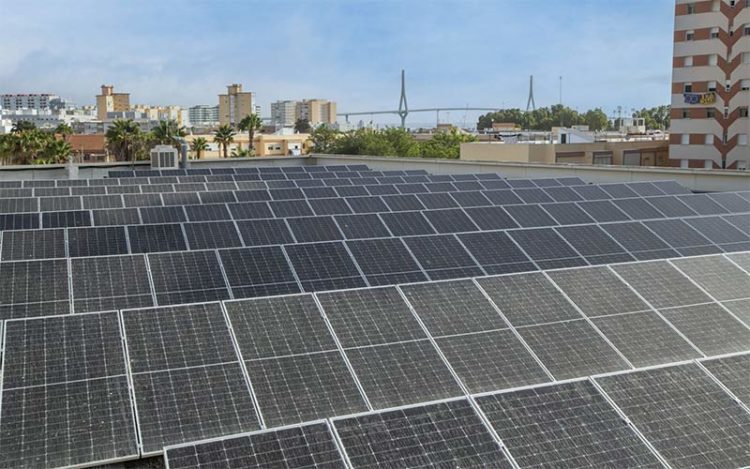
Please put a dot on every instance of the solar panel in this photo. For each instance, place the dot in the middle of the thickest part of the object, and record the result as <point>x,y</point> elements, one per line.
<point>259,271</point>
<point>562,194</point>
<point>108,283</point>
<point>442,257</point>
<point>572,349</point>
<point>680,235</point>
<point>722,279</point>
<point>743,260</point>
<point>640,242</point>
<point>218,197</point>
<point>329,206</point>
<point>661,284</point>
<point>471,199</point>
<point>645,339</point>
<point>97,241</point>
<point>638,209</point>
<point>734,373</point>
<point>530,424</point>
<point>402,203</point>
<point>53,192</point>
<point>603,211</point>
<point>370,204</point>
<point>319,192</point>
<point>382,189</point>
<point>594,244</point>
<point>527,299</point>
<point>740,308</point>
<point>437,200</point>
<point>503,197</point>
<point>156,238</point>
<point>123,216</point>
<point>402,373</point>
<point>486,361</point>
<point>741,222</point>
<point>618,191</point>
<point>308,446</point>
<point>407,223</point>
<point>385,261</point>
<point>311,229</point>
<point>187,380</point>
<point>100,200</point>
<point>671,187</point>
<point>679,409</point>
<point>591,192</point>
<point>372,316</point>
<point>490,218</point>
<point>33,288</point>
<point>467,186</point>
<point>732,202</point>
<point>530,216</point>
<point>36,244</point>
<point>142,200</point>
<point>411,188</point>
<point>153,215</point>
<point>19,205</point>
<point>264,231</point>
<point>324,266</point>
<point>546,248</point>
<point>597,291</point>
<point>567,213</point>
<point>182,198</point>
<point>362,226</point>
<point>218,234</point>
<point>50,204</point>
<point>250,210</point>
<point>520,183</point>
<point>718,231</point>
<point>534,196</point>
<point>645,189</point>
<point>420,437</point>
<point>208,212</point>
<point>710,328</point>
<point>450,221</point>
<point>290,208</point>
<point>187,277</point>
<point>496,252</point>
<point>253,196</point>
<point>495,184</point>
<point>702,204</point>
<point>671,206</point>
<point>66,219</point>
<point>43,372</point>
<point>19,221</point>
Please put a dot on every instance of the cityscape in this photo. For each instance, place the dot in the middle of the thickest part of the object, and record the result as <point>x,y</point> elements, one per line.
<point>375,234</point>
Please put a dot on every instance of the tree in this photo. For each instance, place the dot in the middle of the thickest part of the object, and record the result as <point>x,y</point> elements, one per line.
<point>224,135</point>
<point>64,130</point>
<point>22,126</point>
<point>596,119</point>
<point>324,138</point>
<point>243,153</point>
<point>126,140</point>
<point>167,133</point>
<point>199,145</point>
<point>302,126</point>
<point>446,145</point>
<point>250,124</point>
<point>656,118</point>
<point>57,151</point>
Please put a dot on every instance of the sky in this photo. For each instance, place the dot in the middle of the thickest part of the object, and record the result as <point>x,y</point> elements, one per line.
<point>456,53</point>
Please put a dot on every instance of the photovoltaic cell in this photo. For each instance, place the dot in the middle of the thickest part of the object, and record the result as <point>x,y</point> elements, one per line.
<point>661,284</point>
<point>496,252</point>
<point>370,317</point>
<point>710,328</point>
<point>362,226</point>
<point>732,202</point>
<point>309,446</point>
<point>529,422</point>
<point>97,241</point>
<point>402,203</point>
<point>528,299</point>
<point>291,208</point>
<point>567,213</point>
<point>562,194</point>
<point>492,360</point>
<point>645,339</point>
<point>572,349</point>
<point>734,373</point>
<point>471,199</point>
<point>671,206</point>
<point>641,242</point>
<point>717,230</point>
<point>156,238</point>
<point>420,437</point>
<point>33,244</point>
<point>597,291</point>
<point>618,191</point>
<point>603,211</point>
<point>329,206</point>
<point>250,210</point>
<point>311,229</point>
<point>110,283</point>
<point>19,221</point>
<point>324,266</point>
<point>33,288</point>
<point>385,261</point>
<point>721,278</point>
<point>679,410</point>
<point>638,209</point>
<point>490,218</point>
<point>702,204</point>
<point>369,204</point>
<point>407,223</point>
<point>594,244</point>
<point>207,212</point>
<point>437,200</point>
<point>264,232</point>
<point>547,248</point>
<point>442,257</point>
<point>534,196</point>
<point>187,277</point>
<point>450,221</point>
<point>502,197</point>
<point>741,309</point>
<point>529,216</point>
<point>66,219</point>
<point>170,214</point>
<point>678,234</point>
<point>260,271</point>
<point>591,192</point>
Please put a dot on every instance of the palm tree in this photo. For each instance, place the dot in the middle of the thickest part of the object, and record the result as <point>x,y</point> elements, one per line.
<point>22,126</point>
<point>166,133</point>
<point>64,130</point>
<point>199,145</point>
<point>58,151</point>
<point>244,153</point>
<point>125,139</point>
<point>250,123</point>
<point>224,135</point>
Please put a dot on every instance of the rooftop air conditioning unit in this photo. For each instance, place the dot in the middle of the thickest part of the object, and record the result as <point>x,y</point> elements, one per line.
<point>164,156</point>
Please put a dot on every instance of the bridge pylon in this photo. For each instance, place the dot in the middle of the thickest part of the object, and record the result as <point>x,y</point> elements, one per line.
<point>403,107</point>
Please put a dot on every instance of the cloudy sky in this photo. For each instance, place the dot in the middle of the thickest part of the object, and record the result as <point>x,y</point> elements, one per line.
<point>456,52</point>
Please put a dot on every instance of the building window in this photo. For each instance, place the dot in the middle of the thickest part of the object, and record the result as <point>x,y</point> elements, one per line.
<point>690,35</point>
<point>726,112</point>
<point>712,86</point>
<point>685,139</point>
<point>725,138</point>
<point>747,30</point>
<point>688,88</point>
<point>710,113</point>
<point>713,59</point>
<point>604,158</point>
<point>686,114</point>
<point>691,8</point>
<point>742,140</point>
<point>709,139</point>
<point>745,85</point>
<point>688,61</point>
<point>746,57</point>
<point>743,112</point>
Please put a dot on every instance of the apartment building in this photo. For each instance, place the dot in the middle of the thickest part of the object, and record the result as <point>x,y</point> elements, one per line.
<point>284,113</point>
<point>315,111</point>
<point>203,115</point>
<point>711,84</point>
<point>33,102</point>
<point>109,101</point>
<point>235,105</point>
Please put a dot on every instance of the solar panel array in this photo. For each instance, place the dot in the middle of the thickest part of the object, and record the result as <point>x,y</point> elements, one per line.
<point>377,349</point>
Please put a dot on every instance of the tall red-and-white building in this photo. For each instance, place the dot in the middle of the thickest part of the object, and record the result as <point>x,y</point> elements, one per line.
<point>711,84</point>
